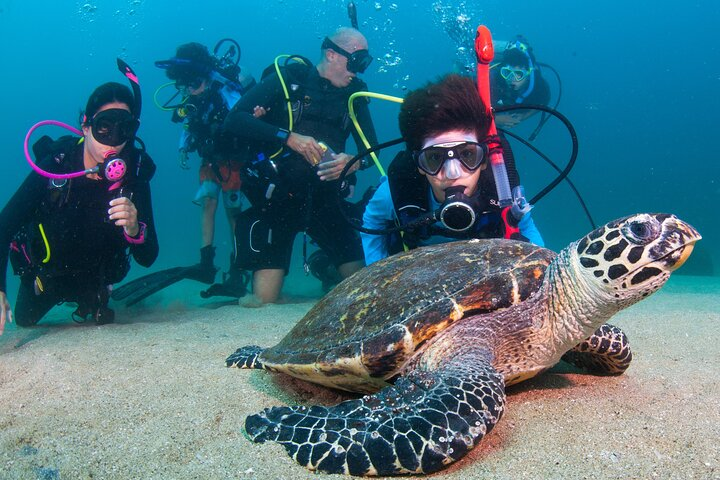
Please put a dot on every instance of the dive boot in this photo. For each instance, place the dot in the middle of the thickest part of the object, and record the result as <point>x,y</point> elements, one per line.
<point>234,285</point>
<point>204,272</point>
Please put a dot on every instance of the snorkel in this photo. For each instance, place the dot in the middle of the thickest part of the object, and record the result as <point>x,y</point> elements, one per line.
<point>485,52</point>
<point>113,168</point>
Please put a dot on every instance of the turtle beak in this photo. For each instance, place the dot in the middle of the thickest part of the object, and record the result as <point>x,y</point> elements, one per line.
<point>685,236</point>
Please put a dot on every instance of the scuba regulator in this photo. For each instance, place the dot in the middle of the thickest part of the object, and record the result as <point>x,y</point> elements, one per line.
<point>105,130</point>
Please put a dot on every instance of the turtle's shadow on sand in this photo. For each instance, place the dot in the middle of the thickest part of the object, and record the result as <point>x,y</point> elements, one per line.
<point>288,390</point>
<point>554,379</point>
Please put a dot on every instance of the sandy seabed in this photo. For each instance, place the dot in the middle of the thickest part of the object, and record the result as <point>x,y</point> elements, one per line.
<point>150,398</point>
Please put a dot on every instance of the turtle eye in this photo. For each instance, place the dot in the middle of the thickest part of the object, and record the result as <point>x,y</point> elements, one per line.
<point>641,231</point>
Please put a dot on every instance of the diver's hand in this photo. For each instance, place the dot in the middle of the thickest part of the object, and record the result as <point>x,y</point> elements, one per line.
<point>123,212</point>
<point>259,111</point>
<point>183,158</point>
<point>306,146</point>
<point>5,312</point>
<point>507,120</point>
<point>331,170</point>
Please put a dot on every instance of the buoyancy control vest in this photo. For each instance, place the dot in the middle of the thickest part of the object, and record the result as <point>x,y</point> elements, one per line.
<point>69,233</point>
<point>319,110</point>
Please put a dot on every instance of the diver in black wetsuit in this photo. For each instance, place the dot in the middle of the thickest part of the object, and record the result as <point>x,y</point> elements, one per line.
<point>69,237</point>
<point>295,189</point>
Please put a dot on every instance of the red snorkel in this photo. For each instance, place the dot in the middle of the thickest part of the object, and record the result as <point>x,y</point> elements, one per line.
<point>485,53</point>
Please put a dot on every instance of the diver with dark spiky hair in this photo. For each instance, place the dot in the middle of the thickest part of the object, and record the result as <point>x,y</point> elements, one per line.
<point>445,168</point>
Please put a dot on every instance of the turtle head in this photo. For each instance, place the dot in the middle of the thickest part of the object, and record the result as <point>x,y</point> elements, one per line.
<point>633,257</point>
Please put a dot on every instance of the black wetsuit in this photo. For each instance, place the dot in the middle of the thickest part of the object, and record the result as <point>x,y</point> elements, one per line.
<point>87,251</point>
<point>297,200</point>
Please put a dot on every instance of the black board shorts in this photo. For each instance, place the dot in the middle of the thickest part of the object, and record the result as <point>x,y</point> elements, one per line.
<point>264,235</point>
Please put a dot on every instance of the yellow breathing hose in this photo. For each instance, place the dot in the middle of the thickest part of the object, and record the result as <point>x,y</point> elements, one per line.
<point>286,93</point>
<point>351,109</point>
<point>45,241</point>
<point>155,97</point>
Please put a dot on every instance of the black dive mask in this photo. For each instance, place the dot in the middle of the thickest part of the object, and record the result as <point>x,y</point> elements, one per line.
<point>113,127</point>
<point>357,62</point>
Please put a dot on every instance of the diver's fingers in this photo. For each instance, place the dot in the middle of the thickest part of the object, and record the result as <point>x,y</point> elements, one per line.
<point>122,210</point>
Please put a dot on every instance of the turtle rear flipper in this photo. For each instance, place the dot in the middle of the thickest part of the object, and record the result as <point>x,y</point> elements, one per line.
<point>421,424</point>
<point>246,358</point>
<point>605,352</point>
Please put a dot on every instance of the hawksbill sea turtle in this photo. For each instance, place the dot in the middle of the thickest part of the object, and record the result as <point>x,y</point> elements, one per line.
<point>433,336</point>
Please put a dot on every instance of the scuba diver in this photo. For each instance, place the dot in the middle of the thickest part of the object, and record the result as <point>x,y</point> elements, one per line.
<point>457,179</point>
<point>210,85</point>
<point>445,168</point>
<point>298,148</point>
<point>517,80</point>
<point>82,211</point>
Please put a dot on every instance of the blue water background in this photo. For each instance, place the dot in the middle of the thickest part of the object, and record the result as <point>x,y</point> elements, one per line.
<point>640,84</point>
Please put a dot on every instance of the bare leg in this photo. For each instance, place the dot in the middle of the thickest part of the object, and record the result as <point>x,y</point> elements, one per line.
<point>347,269</point>
<point>232,214</point>
<point>266,288</point>
<point>209,207</point>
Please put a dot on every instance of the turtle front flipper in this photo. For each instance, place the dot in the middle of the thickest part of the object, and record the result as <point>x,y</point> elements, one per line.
<point>424,422</point>
<point>605,352</point>
<point>246,357</point>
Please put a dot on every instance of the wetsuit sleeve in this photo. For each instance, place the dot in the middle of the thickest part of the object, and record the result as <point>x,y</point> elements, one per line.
<point>529,230</point>
<point>18,212</point>
<point>379,213</point>
<point>240,121</point>
<point>145,253</point>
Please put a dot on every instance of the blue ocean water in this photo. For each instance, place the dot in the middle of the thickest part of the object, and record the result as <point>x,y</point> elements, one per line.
<point>639,83</point>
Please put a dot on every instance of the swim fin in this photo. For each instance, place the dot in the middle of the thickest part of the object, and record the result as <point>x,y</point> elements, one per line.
<point>141,288</point>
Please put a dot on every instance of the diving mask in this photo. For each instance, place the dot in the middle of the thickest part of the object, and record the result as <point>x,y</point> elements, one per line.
<point>114,126</point>
<point>357,62</point>
<point>431,159</point>
<point>511,74</point>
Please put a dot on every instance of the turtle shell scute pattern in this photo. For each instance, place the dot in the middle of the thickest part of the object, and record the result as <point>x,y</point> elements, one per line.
<point>412,296</point>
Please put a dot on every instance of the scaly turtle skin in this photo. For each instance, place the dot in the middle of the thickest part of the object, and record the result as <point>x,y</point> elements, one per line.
<point>437,333</point>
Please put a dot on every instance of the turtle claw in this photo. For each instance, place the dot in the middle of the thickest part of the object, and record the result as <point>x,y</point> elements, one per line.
<point>246,358</point>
